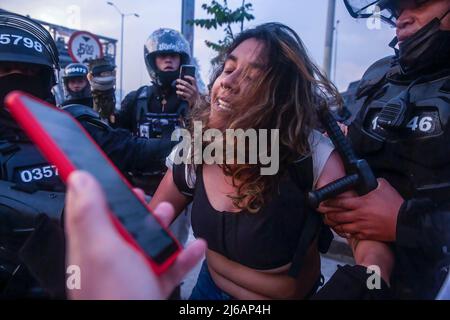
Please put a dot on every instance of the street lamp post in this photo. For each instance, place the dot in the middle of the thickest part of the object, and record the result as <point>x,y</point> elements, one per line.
<point>329,37</point>
<point>336,30</point>
<point>122,16</point>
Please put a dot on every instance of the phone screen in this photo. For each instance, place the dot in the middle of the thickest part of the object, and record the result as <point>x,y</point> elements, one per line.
<point>187,70</point>
<point>135,217</point>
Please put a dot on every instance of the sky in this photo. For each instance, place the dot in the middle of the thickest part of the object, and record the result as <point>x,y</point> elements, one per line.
<point>359,42</point>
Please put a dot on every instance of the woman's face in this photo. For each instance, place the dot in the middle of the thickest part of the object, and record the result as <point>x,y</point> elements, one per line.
<point>242,67</point>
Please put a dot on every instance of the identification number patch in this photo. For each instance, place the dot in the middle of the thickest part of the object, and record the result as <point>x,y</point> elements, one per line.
<point>38,174</point>
<point>420,124</point>
<point>17,40</point>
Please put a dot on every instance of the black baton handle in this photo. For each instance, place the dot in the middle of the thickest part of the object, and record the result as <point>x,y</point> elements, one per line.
<point>333,189</point>
<point>338,138</point>
<point>359,174</point>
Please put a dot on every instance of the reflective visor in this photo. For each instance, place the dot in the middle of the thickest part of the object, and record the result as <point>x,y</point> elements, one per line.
<point>388,10</point>
<point>368,8</point>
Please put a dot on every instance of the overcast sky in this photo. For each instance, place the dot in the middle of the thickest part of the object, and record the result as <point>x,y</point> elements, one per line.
<point>359,45</point>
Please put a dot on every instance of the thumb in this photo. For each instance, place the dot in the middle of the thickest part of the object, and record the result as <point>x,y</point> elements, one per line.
<point>86,212</point>
<point>165,213</point>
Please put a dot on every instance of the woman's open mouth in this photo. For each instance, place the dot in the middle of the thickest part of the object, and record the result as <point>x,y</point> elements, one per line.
<point>222,105</point>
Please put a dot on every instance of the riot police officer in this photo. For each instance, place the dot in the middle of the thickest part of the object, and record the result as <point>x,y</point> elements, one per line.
<point>156,110</point>
<point>403,130</point>
<point>76,86</point>
<point>31,194</point>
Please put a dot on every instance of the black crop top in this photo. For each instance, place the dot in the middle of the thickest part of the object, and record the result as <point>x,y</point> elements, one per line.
<point>264,240</point>
<point>280,233</point>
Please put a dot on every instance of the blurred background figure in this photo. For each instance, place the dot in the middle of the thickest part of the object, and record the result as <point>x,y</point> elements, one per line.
<point>76,85</point>
<point>102,79</point>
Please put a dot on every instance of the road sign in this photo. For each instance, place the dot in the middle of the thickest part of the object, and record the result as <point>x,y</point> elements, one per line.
<point>84,46</point>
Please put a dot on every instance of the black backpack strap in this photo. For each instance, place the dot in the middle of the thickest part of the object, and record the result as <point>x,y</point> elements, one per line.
<point>179,172</point>
<point>302,174</point>
<point>180,179</point>
<point>141,102</point>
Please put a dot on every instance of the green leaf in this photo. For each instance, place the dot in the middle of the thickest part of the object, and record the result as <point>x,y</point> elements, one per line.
<point>223,16</point>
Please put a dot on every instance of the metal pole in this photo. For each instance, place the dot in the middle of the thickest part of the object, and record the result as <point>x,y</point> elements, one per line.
<point>121,58</point>
<point>329,37</point>
<point>188,13</point>
<point>122,16</point>
<point>335,50</point>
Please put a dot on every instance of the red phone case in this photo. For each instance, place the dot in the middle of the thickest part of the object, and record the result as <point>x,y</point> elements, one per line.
<point>53,153</point>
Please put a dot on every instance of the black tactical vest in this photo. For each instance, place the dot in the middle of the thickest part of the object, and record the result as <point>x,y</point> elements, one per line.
<point>26,177</point>
<point>29,187</point>
<point>416,158</point>
<point>155,115</point>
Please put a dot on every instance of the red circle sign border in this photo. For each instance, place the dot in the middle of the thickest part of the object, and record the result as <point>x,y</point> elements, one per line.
<point>77,33</point>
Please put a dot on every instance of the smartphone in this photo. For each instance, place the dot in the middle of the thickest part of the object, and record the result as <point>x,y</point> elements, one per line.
<point>65,143</point>
<point>187,70</point>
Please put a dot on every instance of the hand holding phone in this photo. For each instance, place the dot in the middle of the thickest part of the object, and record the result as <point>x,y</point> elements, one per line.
<point>65,143</point>
<point>186,87</point>
<point>187,70</point>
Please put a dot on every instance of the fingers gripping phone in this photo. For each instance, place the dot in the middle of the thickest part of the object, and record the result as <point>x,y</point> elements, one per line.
<point>65,143</point>
<point>187,70</point>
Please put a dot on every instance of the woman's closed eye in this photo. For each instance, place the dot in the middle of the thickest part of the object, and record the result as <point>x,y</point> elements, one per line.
<point>228,71</point>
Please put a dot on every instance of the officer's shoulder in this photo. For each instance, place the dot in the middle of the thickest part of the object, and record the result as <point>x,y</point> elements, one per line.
<point>137,93</point>
<point>79,111</point>
<point>86,115</point>
<point>376,72</point>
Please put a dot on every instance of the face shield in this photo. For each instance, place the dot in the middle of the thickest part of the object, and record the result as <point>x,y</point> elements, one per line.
<point>387,10</point>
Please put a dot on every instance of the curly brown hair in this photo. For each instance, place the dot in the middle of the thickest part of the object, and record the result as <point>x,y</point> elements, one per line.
<point>287,96</point>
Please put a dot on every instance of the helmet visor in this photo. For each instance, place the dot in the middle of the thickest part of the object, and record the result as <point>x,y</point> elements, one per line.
<point>385,9</point>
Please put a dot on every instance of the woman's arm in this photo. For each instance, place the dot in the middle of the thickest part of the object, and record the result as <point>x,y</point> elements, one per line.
<point>168,192</point>
<point>333,170</point>
<point>366,253</point>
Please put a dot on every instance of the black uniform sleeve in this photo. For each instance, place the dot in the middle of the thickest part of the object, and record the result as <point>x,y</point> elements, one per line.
<point>350,283</point>
<point>124,118</point>
<point>422,224</point>
<point>129,153</point>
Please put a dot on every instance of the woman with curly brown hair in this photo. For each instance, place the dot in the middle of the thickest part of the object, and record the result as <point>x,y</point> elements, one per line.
<point>254,223</point>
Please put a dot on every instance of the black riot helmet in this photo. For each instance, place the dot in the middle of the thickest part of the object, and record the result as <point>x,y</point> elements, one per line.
<point>74,71</point>
<point>165,41</point>
<point>389,10</point>
<point>24,41</point>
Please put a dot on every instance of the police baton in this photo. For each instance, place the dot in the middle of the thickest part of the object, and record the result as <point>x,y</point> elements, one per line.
<point>359,175</point>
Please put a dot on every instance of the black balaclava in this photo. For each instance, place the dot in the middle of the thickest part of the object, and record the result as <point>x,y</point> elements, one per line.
<point>166,78</point>
<point>29,84</point>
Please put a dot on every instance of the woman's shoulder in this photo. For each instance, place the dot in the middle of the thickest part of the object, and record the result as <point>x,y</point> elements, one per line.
<point>176,161</point>
<point>321,149</point>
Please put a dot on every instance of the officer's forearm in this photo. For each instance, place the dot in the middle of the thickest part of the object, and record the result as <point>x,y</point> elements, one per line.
<point>146,151</point>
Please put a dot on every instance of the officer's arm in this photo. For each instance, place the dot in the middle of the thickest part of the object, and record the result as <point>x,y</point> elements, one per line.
<point>424,225</point>
<point>124,118</point>
<point>127,152</point>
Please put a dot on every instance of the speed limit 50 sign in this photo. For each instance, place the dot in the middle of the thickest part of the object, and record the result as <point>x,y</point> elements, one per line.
<point>84,46</point>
